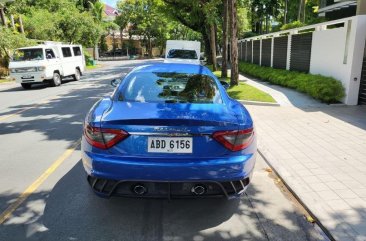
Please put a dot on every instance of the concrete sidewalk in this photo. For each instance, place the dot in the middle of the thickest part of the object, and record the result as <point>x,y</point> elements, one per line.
<point>320,152</point>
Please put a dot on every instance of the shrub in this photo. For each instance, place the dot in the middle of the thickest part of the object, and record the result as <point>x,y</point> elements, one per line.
<point>325,89</point>
<point>3,72</point>
<point>295,24</point>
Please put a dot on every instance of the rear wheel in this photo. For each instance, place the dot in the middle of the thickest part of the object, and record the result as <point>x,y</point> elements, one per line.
<point>56,80</point>
<point>26,86</point>
<point>77,75</point>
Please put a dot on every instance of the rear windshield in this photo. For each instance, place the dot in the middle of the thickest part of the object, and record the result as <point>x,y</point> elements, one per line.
<point>182,54</point>
<point>166,87</point>
<point>28,54</point>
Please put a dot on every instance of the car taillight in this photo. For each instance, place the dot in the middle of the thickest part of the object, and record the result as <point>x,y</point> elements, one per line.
<point>235,140</point>
<point>103,138</point>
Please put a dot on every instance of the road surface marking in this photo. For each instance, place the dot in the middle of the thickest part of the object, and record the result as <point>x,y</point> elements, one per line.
<point>7,213</point>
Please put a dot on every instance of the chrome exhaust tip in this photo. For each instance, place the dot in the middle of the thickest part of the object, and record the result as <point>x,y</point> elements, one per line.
<point>139,189</point>
<point>198,189</point>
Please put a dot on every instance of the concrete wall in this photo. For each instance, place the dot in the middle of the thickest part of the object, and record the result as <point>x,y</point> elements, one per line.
<point>337,51</point>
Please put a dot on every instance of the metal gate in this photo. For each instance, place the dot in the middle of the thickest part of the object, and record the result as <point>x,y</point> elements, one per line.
<point>362,92</point>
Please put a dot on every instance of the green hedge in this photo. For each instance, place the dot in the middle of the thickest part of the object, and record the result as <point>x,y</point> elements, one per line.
<point>325,89</point>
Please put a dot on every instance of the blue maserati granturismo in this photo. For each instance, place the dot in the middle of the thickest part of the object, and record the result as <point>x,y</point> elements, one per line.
<point>169,130</point>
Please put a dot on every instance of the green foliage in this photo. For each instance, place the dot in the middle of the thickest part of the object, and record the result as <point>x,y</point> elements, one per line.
<point>247,92</point>
<point>295,24</point>
<point>61,20</point>
<point>9,41</point>
<point>325,89</point>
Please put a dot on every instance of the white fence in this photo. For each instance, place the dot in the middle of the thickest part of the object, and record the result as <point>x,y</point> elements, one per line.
<point>334,48</point>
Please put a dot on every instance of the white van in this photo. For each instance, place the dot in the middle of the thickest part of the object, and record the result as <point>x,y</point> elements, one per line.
<point>49,62</point>
<point>182,51</point>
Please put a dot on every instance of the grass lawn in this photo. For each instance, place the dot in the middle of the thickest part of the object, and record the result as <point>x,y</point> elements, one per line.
<point>245,92</point>
<point>93,66</point>
<point>5,80</point>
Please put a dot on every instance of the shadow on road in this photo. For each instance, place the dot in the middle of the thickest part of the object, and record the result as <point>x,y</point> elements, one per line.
<point>73,212</point>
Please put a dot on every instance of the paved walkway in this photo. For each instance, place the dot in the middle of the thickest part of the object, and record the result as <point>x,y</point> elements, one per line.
<point>320,152</point>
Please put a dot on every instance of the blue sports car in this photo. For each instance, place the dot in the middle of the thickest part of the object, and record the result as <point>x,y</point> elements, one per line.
<point>171,131</point>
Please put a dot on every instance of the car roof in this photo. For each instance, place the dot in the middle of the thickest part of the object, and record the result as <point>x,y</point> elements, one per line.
<point>173,67</point>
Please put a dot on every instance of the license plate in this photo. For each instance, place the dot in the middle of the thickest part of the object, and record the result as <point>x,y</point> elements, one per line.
<point>170,144</point>
<point>27,77</point>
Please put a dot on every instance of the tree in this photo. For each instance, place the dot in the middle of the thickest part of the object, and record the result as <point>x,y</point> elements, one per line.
<point>10,40</point>
<point>97,9</point>
<point>145,19</point>
<point>234,79</point>
<point>224,40</point>
<point>193,14</point>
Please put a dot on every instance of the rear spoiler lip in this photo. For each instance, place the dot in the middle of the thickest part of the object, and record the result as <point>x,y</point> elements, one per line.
<point>170,122</point>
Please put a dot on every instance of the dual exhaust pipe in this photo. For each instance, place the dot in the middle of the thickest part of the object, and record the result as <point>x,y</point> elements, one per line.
<point>140,189</point>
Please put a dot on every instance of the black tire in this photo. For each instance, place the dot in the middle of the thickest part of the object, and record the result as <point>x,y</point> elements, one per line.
<point>56,80</point>
<point>77,74</point>
<point>26,86</point>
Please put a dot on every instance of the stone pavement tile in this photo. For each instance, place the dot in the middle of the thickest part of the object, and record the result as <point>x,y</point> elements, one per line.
<point>326,178</point>
<point>356,203</point>
<point>360,192</point>
<point>318,171</point>
<point>347,194</point>
<point>335,185</point>
<point>318,187</point>
<point>325,164</point>
<point>353,184</point>
<point>338,205</point>
<point>311,180</point>
<point>328,195</point>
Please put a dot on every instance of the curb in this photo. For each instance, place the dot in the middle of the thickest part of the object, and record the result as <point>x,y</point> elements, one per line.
<point>250,102</point>
<point>321,226</point>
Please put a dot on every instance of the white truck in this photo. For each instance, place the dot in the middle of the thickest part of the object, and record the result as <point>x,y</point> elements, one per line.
<point>48,62</point>
<point>182,51</point>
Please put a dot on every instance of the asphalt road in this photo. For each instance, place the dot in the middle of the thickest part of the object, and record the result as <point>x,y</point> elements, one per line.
<point>44,194</point>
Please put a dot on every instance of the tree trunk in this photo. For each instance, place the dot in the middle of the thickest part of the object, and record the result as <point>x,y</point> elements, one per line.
<point>206,41</point>
<point>2,16</point>
<point>121,38</point>
<point>286,10</point>
<point>150,47</point>
<point>213,47</point>
<point>21,25</point>
<point>234,80</point>
<point>12,22</point>
<point>225,41</point>
<point>299,12</point>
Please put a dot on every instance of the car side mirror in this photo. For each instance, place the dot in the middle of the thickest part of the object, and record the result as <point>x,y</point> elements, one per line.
<point>202,58</point>
<point>225,84</point>
<point>115,82</point>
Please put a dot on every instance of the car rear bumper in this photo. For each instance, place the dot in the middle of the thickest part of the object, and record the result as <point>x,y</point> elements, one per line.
<point>168,189</point>
<point>110,175</point>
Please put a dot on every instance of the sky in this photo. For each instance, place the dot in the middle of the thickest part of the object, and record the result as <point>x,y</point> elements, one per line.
<point>110,2</point>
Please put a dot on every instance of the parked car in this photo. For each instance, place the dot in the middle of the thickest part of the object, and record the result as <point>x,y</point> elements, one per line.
<point>169,130</point>
<point>49,62</point>
<point>182,51</point>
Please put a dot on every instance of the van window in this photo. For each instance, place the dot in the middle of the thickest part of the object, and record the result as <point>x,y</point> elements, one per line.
<point>66,52</point>
<point>77,51</point>
<point>50,54</point>
<point>182,54</point>
<point>28,54</point>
